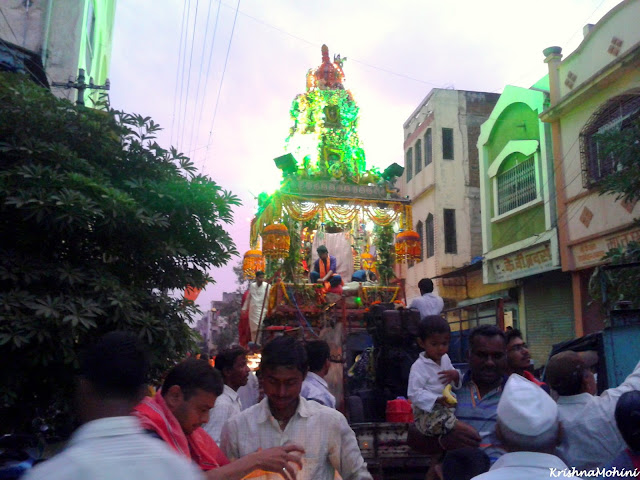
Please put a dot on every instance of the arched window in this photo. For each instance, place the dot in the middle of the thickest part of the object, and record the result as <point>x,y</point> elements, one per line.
<point>420,231</point>
<point>409,164</point>
<point>428,154</point>
<point>617,114</point>
<point>430,236</point>
<point>418,152</point>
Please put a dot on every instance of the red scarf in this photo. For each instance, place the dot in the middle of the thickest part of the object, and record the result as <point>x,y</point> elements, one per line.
<point>154,414</point>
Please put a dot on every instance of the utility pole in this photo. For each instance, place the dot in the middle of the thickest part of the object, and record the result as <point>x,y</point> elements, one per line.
<point>81,86</point>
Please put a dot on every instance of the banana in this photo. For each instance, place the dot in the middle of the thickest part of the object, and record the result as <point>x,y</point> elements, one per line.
<point>449,396</point>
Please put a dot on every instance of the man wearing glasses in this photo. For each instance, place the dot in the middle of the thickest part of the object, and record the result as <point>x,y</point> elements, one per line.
<point>519,358</point>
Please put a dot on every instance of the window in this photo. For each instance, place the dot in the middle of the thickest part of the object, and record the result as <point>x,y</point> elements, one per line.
<point>517,186</point>
<point>447,143</point>
<point>420,231</point>
<point>427,148</point>
<point>617,114</point>
<point>418,151</point>
<point>430,236</point>
<point>450,245</point>
<point>409,164</point>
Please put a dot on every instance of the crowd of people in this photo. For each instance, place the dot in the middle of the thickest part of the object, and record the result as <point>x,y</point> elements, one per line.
<point>503,423</point>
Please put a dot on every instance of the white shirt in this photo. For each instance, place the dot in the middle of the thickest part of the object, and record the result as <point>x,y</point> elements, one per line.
<point>428,304</point>
<point>257,296</point>
<point>115,448</point>
<point>250,392</point>
<point>329,442</point>
<point>316,388</point>
<point>526,466</point>
<point>227,405</point>
<point>424,383</point>
<point>590,435</point>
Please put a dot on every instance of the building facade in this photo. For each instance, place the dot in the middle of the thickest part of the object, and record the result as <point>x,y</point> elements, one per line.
<point>518,212</point>
<point>441,178</point>
<point>65,35</point>
<point>593,90</point>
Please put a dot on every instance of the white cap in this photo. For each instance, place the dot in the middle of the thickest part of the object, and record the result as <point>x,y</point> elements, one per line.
<point>525,408</point>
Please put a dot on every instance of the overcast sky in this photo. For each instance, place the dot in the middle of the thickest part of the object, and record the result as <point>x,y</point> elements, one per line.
<point>396,53</point>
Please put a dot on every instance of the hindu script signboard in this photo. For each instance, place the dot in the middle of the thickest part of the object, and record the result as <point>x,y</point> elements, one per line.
<point>590,253</point>
<point>523,263</point>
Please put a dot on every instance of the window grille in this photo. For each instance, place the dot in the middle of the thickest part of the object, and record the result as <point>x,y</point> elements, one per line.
<point>617,114</point>
<point>517,186</point>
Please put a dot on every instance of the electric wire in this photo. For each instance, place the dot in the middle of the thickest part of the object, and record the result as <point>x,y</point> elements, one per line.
<point>8,24</point>
<point>186,98</point>
<point>224,69</point>
<point>175,92</point>
<point>197,98</point>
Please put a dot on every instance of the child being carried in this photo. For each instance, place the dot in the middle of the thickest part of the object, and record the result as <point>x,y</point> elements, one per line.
<point>431,373</point>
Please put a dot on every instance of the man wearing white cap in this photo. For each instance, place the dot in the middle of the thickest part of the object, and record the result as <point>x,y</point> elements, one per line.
<point>529,430</point>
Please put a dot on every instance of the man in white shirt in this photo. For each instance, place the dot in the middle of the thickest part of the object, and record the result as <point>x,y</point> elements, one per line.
<point>428,303</point>
<point>232,364</point>
<point>111,444</point>
<point>285,417</point>
<point>591,437</point>
<point>529,430</point>
<point>315,387</point>
<point>256,303</point>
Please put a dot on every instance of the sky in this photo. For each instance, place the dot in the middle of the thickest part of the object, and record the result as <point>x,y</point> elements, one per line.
<point>220,76</point>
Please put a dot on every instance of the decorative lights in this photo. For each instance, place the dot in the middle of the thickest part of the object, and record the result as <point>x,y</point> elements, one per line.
<point>252,262</point>
<point>407,246</point>
<point>275,241</point>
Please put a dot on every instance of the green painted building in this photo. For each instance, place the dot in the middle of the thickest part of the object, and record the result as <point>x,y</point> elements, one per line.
<point>519,234</point>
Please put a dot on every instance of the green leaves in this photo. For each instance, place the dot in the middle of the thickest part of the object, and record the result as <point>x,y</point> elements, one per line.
<point>99,225</point>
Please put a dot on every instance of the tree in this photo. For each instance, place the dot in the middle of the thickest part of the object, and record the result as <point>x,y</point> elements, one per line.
<point>100,228</point>
<point>384,242</point>
<point>624,147</point>
<point>611,286</point>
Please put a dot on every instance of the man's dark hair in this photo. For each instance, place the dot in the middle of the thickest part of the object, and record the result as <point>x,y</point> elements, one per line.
<point>565,373</point>
<point>227,358</point>
<point>117,365</point>
<point>425,285</point>
<point>322,249</point>
<point>259,273</point>
<point>485,331</point>
<point>464,464</point>
<point>284,352</point>
<point>432,324</point>
<point>318,352</point>
<point>511,334</point>
<point>191,375</point>
<point>628,418</point>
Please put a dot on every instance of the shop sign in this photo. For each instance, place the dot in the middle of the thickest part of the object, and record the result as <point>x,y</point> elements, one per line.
<point>523,263</point>
<point>590,253</point>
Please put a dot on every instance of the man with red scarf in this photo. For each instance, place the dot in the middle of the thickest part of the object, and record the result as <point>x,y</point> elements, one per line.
<point>176,415</point>
<point>325,268</point>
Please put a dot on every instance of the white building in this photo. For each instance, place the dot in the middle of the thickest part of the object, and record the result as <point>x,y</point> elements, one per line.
<point>442,180</point>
